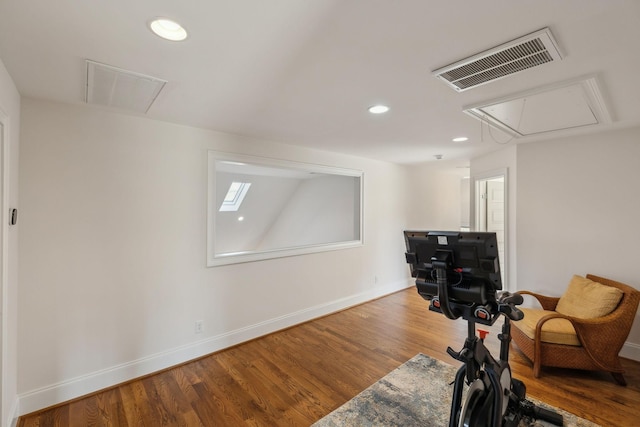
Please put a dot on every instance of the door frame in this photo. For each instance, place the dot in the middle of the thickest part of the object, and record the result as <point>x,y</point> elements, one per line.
<point>4,270</point>
<point>476,182</point>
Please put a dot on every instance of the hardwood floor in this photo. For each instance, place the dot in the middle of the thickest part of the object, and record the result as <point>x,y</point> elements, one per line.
<point>296,376</point>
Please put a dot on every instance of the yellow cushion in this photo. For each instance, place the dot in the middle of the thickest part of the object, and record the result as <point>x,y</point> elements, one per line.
<point>556,331</point>
<point>587,299</point>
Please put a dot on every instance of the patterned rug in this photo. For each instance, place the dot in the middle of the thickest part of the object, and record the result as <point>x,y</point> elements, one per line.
<point>418,393</point>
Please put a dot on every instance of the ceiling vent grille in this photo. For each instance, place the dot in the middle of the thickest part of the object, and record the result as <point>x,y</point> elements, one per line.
<point>122,89</point>
<point>523,53</point>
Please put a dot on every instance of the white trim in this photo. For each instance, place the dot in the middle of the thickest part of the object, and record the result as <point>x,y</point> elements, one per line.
<point>4,264</point>
<point>69,389</point>
<point>12,419</point>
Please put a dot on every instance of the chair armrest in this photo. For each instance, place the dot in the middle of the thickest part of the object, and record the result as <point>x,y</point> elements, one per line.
<point>601,337</point>
<point>608,329</point>
<point>547,303</point>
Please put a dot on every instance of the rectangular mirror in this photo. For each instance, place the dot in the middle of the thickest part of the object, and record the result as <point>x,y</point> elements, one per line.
<point>262,208</point>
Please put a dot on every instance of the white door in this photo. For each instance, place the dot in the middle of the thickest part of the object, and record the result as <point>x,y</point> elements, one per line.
<point>495,214</point>
<point>490,213</point>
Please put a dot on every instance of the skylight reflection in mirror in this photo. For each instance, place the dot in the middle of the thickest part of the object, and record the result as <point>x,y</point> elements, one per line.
<point>235,196</point>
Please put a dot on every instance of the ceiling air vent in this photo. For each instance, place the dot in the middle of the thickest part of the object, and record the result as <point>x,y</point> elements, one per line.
<point>517,55</point>
<point>118,88</point>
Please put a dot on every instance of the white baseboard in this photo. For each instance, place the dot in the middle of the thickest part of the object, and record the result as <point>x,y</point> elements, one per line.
<point>630,351</point>
<point>75,387</point>
<point>12,419</point>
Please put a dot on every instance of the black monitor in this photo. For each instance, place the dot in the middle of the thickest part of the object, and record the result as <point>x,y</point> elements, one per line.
<point>468,261</point>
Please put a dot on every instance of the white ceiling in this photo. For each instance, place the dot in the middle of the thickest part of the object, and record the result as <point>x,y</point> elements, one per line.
<point>304,71</point>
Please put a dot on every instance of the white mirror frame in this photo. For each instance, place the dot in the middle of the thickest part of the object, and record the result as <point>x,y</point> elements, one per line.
<point>215,258</point>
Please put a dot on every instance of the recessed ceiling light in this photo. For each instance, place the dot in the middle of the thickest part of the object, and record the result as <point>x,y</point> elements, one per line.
<point>168,29</point>
<point>378,109</point>
<point>460,139</point>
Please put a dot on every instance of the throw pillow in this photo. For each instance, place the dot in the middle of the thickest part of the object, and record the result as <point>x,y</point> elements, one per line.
<point>587,299</point>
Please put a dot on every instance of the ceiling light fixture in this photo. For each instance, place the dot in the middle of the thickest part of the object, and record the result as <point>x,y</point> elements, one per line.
<point>460,139</point>
<point>378,109</point>
<point>168,29</point>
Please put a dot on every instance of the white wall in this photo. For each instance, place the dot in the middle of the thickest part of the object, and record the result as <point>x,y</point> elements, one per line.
<point>577,209</point>
<point>10,110</point>
<point>435,199</point>
<point>573,206</point>
<point>113,242</point>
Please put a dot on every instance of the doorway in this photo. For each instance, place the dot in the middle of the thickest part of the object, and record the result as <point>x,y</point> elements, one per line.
<point>490,212</point>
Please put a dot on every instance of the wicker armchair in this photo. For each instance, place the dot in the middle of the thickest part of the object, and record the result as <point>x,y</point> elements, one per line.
<point>599,340</point>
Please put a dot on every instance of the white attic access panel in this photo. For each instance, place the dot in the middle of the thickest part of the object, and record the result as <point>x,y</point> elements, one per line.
<point>564,106</point>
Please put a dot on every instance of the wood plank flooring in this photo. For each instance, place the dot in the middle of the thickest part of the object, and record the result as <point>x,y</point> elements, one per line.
<point>296,376</point>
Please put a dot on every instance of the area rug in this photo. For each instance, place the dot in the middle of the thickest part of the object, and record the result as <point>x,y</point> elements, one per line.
<point>418,393</point>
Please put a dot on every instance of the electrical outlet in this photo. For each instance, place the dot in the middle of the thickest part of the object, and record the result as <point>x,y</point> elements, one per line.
<point>199,327</point>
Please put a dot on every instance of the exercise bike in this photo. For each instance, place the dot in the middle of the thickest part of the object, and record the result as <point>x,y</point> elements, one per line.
<point>494,398</point>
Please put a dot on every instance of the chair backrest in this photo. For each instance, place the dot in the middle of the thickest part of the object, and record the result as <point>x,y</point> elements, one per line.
<point>628,305</point>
